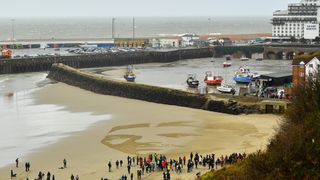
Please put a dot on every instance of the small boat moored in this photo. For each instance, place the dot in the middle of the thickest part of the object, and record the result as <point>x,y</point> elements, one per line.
<point>259,59</point>
<point>192,81</point>
<point>228,57</point>
<point>212,80</point>
<point>129,75</point>
<point>244,59</point>
<point>224,88</point>
<point>226,64</point>
<point>244,75</point>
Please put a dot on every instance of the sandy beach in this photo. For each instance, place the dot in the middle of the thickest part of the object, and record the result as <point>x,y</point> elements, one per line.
<point>138,128</point>
<point>236,37</point>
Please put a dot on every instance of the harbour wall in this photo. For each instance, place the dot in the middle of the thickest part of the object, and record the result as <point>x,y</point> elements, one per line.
<point>102,85</point>
<point>99,60</point>
<point>36,64</point>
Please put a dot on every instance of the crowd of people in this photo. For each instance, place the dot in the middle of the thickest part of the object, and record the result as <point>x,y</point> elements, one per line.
<point>160,163</point>
<point>153,163</point>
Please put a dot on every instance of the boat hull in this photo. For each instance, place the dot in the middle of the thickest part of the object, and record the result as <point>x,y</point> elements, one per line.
<point>130,78</point>
<point>242,79</point>
<point>193,84</point>
<point>244,59</point>
<point>213,83</point>
<point>225,91</point>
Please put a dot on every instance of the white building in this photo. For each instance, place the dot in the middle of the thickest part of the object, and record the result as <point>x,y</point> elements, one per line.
<point>304,70</point>
<point>312,67</point>
<point>189,39</point>
<point>170,42</point>
<point>301,20</point>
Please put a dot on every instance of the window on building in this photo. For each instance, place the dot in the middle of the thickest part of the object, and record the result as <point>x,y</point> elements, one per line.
<point>301,74</point>
<point>310,65</point>
<point>310,74</point>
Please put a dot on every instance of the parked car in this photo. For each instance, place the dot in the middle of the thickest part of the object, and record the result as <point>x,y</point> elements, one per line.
<point>271,92</point>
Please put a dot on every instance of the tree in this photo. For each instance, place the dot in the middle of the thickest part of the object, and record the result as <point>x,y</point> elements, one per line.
<point>317,40</point>
<point>293,39</point>
<point>303,40</point>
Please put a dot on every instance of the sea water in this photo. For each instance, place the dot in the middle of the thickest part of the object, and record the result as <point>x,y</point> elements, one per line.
<point>26,126</point>
<point>101,27</point>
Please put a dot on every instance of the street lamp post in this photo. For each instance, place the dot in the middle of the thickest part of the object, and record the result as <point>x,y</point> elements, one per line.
<point>12,29</point>
<point>209,25</point>
<point>113,28</point>
<point>133,29</point>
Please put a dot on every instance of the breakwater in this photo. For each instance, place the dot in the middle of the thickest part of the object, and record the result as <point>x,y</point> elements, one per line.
<point>101,85</point>
<point>99,60</point>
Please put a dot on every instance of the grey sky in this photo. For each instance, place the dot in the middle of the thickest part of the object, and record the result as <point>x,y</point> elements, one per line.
<point>80,8</point>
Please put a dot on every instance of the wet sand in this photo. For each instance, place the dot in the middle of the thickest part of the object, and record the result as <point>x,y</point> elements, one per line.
<point>139,127</point>
<point>244,36</point>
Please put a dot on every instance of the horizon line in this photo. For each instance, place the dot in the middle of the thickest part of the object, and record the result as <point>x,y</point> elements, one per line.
<point>139,16</point>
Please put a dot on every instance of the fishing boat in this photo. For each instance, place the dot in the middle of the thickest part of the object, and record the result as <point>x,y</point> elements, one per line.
<point>228,57</point>
<point>244,75</point>
<point>129,75</point>
<point>244,59</point>
<point>5,53</point>
<point>226,64</point>
<point>212,80</point>
<point>192,81</point>
<point>224,88</point>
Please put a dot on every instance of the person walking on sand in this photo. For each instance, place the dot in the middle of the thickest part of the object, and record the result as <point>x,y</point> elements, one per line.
<point>77,177</point>
<point>26,166</point>
<point>64,163</point>
<point>121,162</point>
<point>48,175</point>
<point>72,177</point>
<point>12,175</point>
<point>164,176</point>
<point>131,176</point>
<point>128,167</point>
<point>53,178</point>
<point>17,163</point>
<point>117,164</point>
<point>109,166</point>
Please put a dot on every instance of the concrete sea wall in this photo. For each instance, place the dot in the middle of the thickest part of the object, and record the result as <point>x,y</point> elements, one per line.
<point>101,85</point>
<point>99,60</point>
